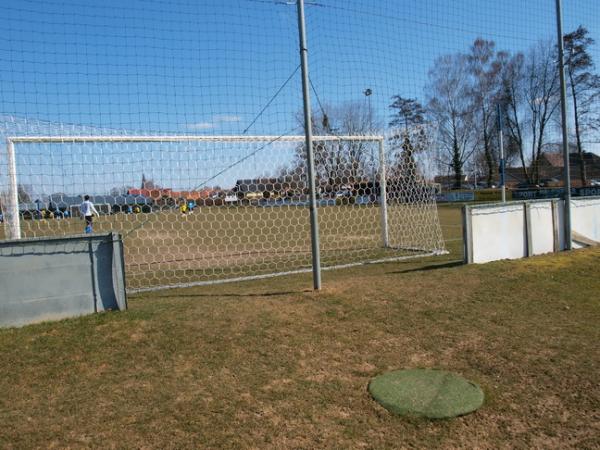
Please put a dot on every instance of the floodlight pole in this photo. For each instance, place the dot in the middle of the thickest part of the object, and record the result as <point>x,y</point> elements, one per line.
<point>502,161</point>
<point>314,219</point>
<point>565,136</point>
<point>13,218</point>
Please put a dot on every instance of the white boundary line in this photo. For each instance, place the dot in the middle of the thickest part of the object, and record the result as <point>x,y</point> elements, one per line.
<point>280,274</point>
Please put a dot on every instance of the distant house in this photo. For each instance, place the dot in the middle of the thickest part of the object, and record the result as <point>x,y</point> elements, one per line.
<point>552,165</point>
<point>449,181</point>
<point>168,195</point>
<point>513,177</point>
<point>262,185</point>
<point>251,189</point>
<point>551,168</point>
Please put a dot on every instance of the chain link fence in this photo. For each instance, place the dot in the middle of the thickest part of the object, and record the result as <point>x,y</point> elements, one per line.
<point>185,122</point>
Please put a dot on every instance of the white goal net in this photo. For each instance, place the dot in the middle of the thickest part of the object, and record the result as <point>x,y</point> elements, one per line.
<point>202,209</point>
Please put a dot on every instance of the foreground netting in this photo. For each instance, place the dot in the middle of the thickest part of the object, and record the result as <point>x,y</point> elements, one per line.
<point>227,207</point>
<point>186,124</point>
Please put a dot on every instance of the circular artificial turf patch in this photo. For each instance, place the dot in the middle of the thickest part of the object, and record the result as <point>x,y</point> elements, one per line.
<point>435,394</point>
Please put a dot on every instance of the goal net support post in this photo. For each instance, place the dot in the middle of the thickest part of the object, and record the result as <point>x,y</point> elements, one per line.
<point>383,194</point>
<point>12,216</point>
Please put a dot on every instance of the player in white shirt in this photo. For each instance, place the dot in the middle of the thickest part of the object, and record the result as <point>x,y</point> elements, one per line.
<point>87,211</point>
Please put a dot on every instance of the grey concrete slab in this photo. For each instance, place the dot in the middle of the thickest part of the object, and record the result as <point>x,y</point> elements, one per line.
<point>53,278</point>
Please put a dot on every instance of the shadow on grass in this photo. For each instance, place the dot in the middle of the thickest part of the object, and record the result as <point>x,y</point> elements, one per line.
<point>445,265</point>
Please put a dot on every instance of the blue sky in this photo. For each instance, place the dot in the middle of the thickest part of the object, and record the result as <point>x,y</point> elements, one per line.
<point>210,66</point>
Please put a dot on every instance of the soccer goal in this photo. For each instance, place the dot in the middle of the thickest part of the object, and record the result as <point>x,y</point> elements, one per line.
<point>205,209</point>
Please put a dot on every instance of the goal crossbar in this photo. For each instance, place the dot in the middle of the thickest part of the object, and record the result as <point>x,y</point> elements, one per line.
<point>185,138</point>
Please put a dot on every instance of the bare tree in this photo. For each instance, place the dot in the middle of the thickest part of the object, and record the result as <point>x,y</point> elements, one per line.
<point>541,93</point>
<point>450,106</point>
<point>342,162</point>
<point>410,135</point>
<point>512,102</point>
<point>529,99</point>
<point>407,112</point>
<point>584,88</point>
<point>485,68</point>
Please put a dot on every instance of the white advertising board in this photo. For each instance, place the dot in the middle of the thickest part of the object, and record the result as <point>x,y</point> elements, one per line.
<point>525,228</point>
<point>498,232</point>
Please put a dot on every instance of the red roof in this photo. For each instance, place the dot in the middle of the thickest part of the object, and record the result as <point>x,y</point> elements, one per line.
<point>554,159</point>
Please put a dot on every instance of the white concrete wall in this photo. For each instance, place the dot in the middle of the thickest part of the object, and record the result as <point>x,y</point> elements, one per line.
<point>585,217</point>
<point>498,232</point>
<point>525,228</point>
<point>542,228</point>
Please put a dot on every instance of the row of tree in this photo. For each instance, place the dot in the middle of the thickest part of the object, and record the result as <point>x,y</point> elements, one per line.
<point>465,91</point>
<point>456,123</point>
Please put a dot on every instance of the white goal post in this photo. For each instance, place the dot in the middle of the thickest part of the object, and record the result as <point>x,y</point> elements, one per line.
<point>13,216</point>
<point>375,206</point>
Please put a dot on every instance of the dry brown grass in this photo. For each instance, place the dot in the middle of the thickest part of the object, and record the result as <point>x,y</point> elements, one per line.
<point>272,364</point>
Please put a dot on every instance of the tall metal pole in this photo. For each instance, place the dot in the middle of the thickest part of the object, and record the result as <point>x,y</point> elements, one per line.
<point>314,219</point>
<point>565,136</point>
<point>502,162</point>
